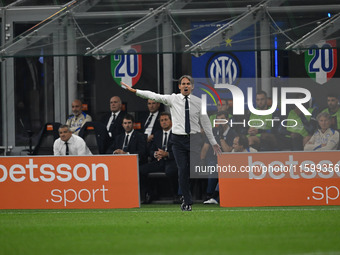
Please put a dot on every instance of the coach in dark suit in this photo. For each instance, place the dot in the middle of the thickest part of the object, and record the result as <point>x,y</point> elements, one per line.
<point>130,142</point>
<point>114,119</point>
<point>162,158</point>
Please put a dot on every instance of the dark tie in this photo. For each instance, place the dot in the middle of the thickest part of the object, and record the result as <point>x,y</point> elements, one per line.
<point>67,150</point>
<point>113,119</point>
<point>165,141</point>
<point>148,122</point>
<point>126,143</point>
<point>111,122</point>
<point>187,119</point>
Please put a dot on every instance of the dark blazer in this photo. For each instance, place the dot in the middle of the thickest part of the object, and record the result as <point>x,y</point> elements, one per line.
<point>143,118</point>
<point>158,143</point>
<point>137,145</point>
<point>117,128</point>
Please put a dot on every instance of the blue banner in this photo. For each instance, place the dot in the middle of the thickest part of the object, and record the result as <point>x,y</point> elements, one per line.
<point>227,63</point>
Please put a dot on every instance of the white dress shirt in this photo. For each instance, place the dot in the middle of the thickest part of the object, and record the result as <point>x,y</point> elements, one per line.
<point>176,102</point>
<point>76,146</point>
<point>148,130</point>
<point>110,121</point>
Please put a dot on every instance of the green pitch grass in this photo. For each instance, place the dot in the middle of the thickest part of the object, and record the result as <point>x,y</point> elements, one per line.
<point>164,229</point>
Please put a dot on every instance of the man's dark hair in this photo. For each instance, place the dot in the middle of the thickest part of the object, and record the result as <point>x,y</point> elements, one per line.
<point>226,115</point>
<point>261,92</point>
<point>188,77</point>
<point>165,114</point>
<point>333,95</point>
<point>64,126</point>
<point>243,140</point>
<point>129,117</point>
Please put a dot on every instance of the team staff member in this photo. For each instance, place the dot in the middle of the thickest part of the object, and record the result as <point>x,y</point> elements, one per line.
<point>324,138</point>
<point>334,110</point>
<point>220,108</point>
<point>186,114</point>
<point>114,119</point>
<point>78,118</point>
<point>151,121</point>
<point>262,137</point>
<point>69,144</point>
<point>241,144</point>
<point>162,158</point>
<point>131,142</point>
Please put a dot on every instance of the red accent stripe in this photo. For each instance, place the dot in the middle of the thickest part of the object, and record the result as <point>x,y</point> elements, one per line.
<point>335,59</point>
<point>213,90</point>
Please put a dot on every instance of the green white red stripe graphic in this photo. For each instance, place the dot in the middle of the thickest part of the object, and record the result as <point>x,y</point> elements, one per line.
<point>321,61</point>
<point>126,64</point>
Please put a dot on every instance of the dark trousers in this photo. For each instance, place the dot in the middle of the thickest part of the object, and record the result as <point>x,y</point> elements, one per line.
<point>186,149</point>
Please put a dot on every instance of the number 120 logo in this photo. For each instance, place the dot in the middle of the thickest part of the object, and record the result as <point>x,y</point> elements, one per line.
<point>321,61</point>
<point>126,65</point>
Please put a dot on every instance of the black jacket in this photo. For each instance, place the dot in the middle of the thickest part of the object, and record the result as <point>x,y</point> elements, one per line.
<point>116,128</point>
<point>158,143</point>
<point>137,145</point>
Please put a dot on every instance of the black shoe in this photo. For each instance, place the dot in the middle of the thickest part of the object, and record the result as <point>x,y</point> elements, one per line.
<point>185,207</point>
<point>148,199</point>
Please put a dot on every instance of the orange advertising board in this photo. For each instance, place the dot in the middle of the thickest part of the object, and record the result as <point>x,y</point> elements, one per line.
<point>69,182</point>
<point>279,179</point>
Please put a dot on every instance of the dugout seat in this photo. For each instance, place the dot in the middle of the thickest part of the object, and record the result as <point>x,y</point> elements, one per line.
<point>95,136</point>
<point>161,187</point>
<point>47,136</point>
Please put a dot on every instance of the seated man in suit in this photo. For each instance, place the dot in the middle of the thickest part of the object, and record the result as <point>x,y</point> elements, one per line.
<point>150,122</point>
<point>114,119</point>
<point>130,142</point>
<point>162,158</point>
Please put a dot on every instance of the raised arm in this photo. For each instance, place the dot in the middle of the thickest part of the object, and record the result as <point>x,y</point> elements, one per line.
<point>128,87</point>
<point>164,99</point>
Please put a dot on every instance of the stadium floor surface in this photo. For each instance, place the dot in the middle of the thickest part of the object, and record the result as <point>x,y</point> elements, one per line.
<point>164,229</point>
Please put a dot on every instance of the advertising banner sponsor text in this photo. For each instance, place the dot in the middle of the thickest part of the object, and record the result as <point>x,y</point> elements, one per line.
<point>279,179</point>
<point>69,182</point>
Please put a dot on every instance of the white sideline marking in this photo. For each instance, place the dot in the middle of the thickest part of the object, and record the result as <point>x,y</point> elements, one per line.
<point>167,211</point>
<point>318,253</point>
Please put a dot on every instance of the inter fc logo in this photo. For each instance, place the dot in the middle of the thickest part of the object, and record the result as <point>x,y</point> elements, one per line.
<point>126,65</point>
<point>223,68</point>
<point>321,61</point>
